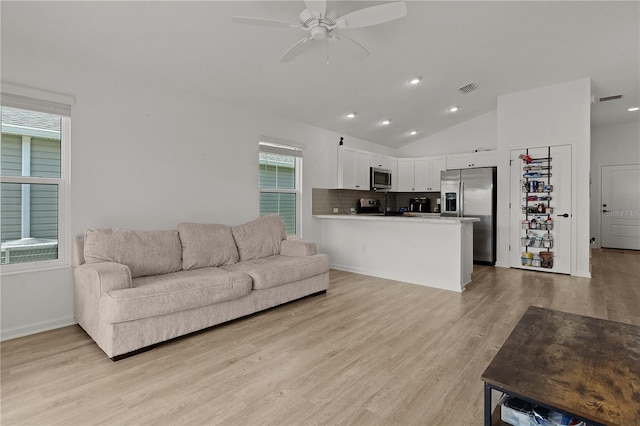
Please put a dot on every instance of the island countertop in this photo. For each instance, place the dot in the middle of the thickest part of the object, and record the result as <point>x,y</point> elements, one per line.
<point>427,250</point>
<point>433,218</point>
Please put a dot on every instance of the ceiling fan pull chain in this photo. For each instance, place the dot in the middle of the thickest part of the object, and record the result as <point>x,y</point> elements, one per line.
<point>327,43</point>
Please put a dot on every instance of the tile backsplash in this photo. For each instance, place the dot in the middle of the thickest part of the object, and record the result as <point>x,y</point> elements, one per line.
<point>325,200</point>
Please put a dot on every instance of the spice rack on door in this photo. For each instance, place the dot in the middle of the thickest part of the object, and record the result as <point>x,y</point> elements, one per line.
<point>538,238</point>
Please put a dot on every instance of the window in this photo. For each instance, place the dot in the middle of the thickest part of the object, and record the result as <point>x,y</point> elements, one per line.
<point>33,183</point>
<point>280,183</point>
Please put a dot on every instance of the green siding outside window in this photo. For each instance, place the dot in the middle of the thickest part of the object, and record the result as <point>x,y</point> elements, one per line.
<point>279,192</point>
<point>30,147</point>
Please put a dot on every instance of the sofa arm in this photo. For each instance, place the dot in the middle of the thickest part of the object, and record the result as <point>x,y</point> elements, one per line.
<point>103,276</point>
<point>90,282</point>
<point>298,248</point>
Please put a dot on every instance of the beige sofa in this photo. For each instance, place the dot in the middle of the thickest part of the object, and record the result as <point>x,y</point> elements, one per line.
<point>134,289</point>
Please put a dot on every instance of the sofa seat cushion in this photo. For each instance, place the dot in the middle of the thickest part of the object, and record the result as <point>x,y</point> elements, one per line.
<point>144,252</point>
<point>178,291</point>
<point>277,270</point>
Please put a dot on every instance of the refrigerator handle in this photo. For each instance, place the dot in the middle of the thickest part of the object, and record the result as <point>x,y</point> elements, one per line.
<point>461,198</point>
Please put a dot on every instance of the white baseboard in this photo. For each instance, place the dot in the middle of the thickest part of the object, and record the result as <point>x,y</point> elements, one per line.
<point>15,332</point>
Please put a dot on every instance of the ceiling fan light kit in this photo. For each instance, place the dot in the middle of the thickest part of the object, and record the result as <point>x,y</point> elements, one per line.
<point>321,27</point>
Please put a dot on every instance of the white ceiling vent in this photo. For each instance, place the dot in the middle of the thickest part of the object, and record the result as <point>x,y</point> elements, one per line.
<point>610,98</point>
<point>468,88</point>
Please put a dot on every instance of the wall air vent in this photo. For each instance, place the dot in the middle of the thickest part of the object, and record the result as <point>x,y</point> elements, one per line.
<point>610,98</point>
<point>468,88</point>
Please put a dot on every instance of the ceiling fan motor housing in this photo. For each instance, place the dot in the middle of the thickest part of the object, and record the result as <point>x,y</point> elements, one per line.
<point>318,33</point>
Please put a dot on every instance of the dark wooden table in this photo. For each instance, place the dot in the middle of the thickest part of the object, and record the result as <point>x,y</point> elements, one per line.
<point>581,366</point>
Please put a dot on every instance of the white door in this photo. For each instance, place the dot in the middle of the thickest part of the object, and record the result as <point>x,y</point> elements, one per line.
<point>557,209</point>
<point>621,206</point>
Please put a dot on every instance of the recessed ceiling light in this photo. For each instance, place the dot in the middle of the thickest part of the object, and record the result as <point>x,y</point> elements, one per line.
<point>351,115</point>
<point>633,109</point>
<point>385,122</point>
<point>415,80</point>
<point>413,132</point>
<point>453,109</point>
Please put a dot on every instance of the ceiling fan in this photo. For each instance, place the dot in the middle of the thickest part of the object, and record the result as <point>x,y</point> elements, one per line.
<point>322,26</point>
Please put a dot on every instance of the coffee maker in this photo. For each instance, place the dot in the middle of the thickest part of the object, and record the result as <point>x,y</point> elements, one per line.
<point>420,205</point>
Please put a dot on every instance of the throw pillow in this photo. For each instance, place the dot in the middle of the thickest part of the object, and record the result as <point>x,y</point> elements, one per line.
<point>205,245</point>
<point>144,252</point>
<point>259,238</point>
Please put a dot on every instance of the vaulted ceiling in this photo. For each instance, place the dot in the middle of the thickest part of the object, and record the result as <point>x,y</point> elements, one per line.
<point>502,47</point>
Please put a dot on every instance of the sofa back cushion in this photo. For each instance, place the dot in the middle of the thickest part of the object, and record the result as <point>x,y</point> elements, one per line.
<point>259,238</point>
<point>206,245</point>
<point>144,252</point>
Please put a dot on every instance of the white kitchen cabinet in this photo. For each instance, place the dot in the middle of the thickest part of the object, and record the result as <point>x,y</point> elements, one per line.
<point>353,169</point>
<point>420,174</point>
<point>472,160</point>
<point>406,175</point>
<point>422,177</point>
<point>438,164</point>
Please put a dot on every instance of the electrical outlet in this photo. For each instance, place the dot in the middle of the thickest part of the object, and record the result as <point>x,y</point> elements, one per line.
<point>335,210</point>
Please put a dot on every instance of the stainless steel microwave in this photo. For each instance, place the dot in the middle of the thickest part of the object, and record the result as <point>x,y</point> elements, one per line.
<point>380,179</point>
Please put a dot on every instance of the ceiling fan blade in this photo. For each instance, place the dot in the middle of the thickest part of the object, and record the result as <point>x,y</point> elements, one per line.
<point>263,22</point>
<point>362,51</point>
<point>295,50</point>
<point>373,15</point>
<point>316,7</point>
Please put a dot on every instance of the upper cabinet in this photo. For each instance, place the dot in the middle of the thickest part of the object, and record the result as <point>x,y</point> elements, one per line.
<point>406,174</point>
<point>438,164</point>
<point>353,169</point>
<point>428,170</point>
<point>473,159</point>
<point>420,174</point>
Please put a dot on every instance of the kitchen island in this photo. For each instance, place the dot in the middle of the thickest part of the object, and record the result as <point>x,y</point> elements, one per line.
<point>427,250</point>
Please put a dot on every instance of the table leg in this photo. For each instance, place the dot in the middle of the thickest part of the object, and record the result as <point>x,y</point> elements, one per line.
<point>487,404</point>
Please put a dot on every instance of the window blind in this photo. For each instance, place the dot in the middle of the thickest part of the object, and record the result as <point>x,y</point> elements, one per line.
<point>274,148</point>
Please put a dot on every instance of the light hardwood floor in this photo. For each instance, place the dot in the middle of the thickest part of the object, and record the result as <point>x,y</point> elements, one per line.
<point>369,352</point>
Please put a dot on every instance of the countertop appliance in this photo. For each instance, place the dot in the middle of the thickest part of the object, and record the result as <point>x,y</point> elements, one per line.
<point>380,179</point>
<point>368,205</point>
<point>472,193</point>
<point>419,205</point>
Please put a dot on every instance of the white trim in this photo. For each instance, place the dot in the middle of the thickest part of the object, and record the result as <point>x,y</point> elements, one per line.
<point>39,327</point>
<point>64,208</point>
<point>31,179</point>
<point>268,147</point>
<point>30,131</point>
<point>29,98</point>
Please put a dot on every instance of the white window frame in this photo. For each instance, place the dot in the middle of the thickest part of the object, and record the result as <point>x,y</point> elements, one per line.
<point>31,99</point>
<point>274,145</point>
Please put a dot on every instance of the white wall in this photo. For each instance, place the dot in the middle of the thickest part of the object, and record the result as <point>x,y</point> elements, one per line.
<point>477,133</point>
<point>551,115</point>
<point>614,144</point>
<point>148,157</point>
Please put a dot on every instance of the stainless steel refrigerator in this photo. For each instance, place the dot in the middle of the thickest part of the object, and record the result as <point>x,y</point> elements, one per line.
<point>472,193</point>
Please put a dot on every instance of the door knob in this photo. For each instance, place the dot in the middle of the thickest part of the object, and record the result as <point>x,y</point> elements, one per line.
<point>564,215</point>
<point>605,211</point>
